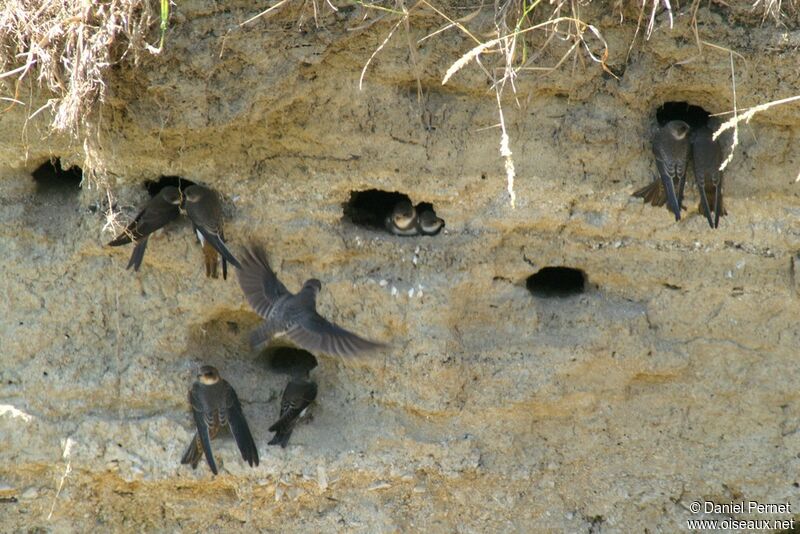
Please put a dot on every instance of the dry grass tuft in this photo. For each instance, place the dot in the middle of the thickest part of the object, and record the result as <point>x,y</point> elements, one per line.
<point>526,32</point>
<point>66,46</point>
<point>521,38</point>
<point>777,10</point>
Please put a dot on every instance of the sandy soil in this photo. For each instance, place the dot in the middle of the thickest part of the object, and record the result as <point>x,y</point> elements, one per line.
<point>671,379</point>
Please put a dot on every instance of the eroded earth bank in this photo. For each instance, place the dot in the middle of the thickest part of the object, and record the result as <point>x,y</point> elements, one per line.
<point>672,378</point>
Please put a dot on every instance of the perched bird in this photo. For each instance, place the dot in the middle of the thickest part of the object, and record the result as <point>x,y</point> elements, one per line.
<point>214,406</point>
<point>205,211</point>
<point>428,223</point>
<point>671,149</point>
<point>293,315</point>
<point>707,157</point>
<point>300,392</point>
<point>159,210</point>
<point>403,219</point>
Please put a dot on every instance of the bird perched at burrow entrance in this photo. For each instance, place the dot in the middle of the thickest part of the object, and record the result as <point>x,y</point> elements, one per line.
<point>403,219</point>
<point>204,208</point>
<point>671,149</point>
<point>293,315</point>
<point>428,223</point>
<point>215,406</point>
<point>298,395</point>
<point>706,158</point>
<point>163,208</point>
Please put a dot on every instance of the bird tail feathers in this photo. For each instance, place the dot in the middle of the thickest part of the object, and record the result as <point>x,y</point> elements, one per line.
<point>193,453</point>
<point>138,254</point>
<point>211,258</point>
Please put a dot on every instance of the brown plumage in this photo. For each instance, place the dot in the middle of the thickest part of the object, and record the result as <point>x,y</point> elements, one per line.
<point>298,395</point>
<point>163,208</point>
<point>403,219</point>
<point>293,315</point>
<point>215,406</point>
<point>671,150</point>
<point>211,257</point>
<point>205,211</point>
<point>706,158</point>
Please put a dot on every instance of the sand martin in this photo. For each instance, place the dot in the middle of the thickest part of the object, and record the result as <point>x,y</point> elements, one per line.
<point>706,158</point>
<point>293,315</point>
<point>159,210</point>
<point>403,219</point>
<point>214,406</point>
<point>428,223</point>
<point>205,211</point>
<point>671,149</point>
<point>300,392</point>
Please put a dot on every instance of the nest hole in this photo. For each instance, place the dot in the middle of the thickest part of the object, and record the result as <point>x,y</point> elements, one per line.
<point>556,282</point>
<point>371,208</point>
<point>288,360</point>
<point>51,177</point>
<point>694,116</point>
<point>154,186</point>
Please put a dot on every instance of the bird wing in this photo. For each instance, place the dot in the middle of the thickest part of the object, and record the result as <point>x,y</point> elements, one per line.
<point>261,335</point>
<point>238,427</point>
<point>259,284</point>
<point>193,452</point>
<point>224,259</point>
<point>296,398</point>
<point>652,193</point>
<point>290,412</point>
<point>203,421</point>
<point>314,333</point>
<point>668,176</point>
<point>706,158</point>
<point>216,241</point>
<point>705,208</point>
<point>156,214</point>
<point>206,215</point>
<point>137,256</point>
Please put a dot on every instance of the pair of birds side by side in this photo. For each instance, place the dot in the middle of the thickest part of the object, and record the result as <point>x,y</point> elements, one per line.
<point>672,145</point>
<point>204,209</point>
<point>405,221</point>
<point>216,406</point>
<point>214,402</point>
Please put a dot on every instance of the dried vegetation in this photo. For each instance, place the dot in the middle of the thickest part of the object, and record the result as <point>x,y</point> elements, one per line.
<point>67,46</point>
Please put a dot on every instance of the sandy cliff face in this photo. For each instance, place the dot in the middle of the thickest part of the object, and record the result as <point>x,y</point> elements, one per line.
<point>672,378</point>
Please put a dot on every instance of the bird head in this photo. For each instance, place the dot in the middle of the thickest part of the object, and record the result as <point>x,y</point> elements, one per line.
<point>208,375</point>
<point>172,195</point>
<point>403,214</point>
<point>193,193</point>
<point>678,129</point>
<point>429,222</point>
<point>313,284</point>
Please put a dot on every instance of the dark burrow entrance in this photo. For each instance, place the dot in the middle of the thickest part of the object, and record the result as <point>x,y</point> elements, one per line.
<point>694,116</point>
<point>556,282</point>
<point>154,186</point>
<point>371,209</point>
<point>51,178</point>
<point>55,207</point>
<point>285,360</point>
